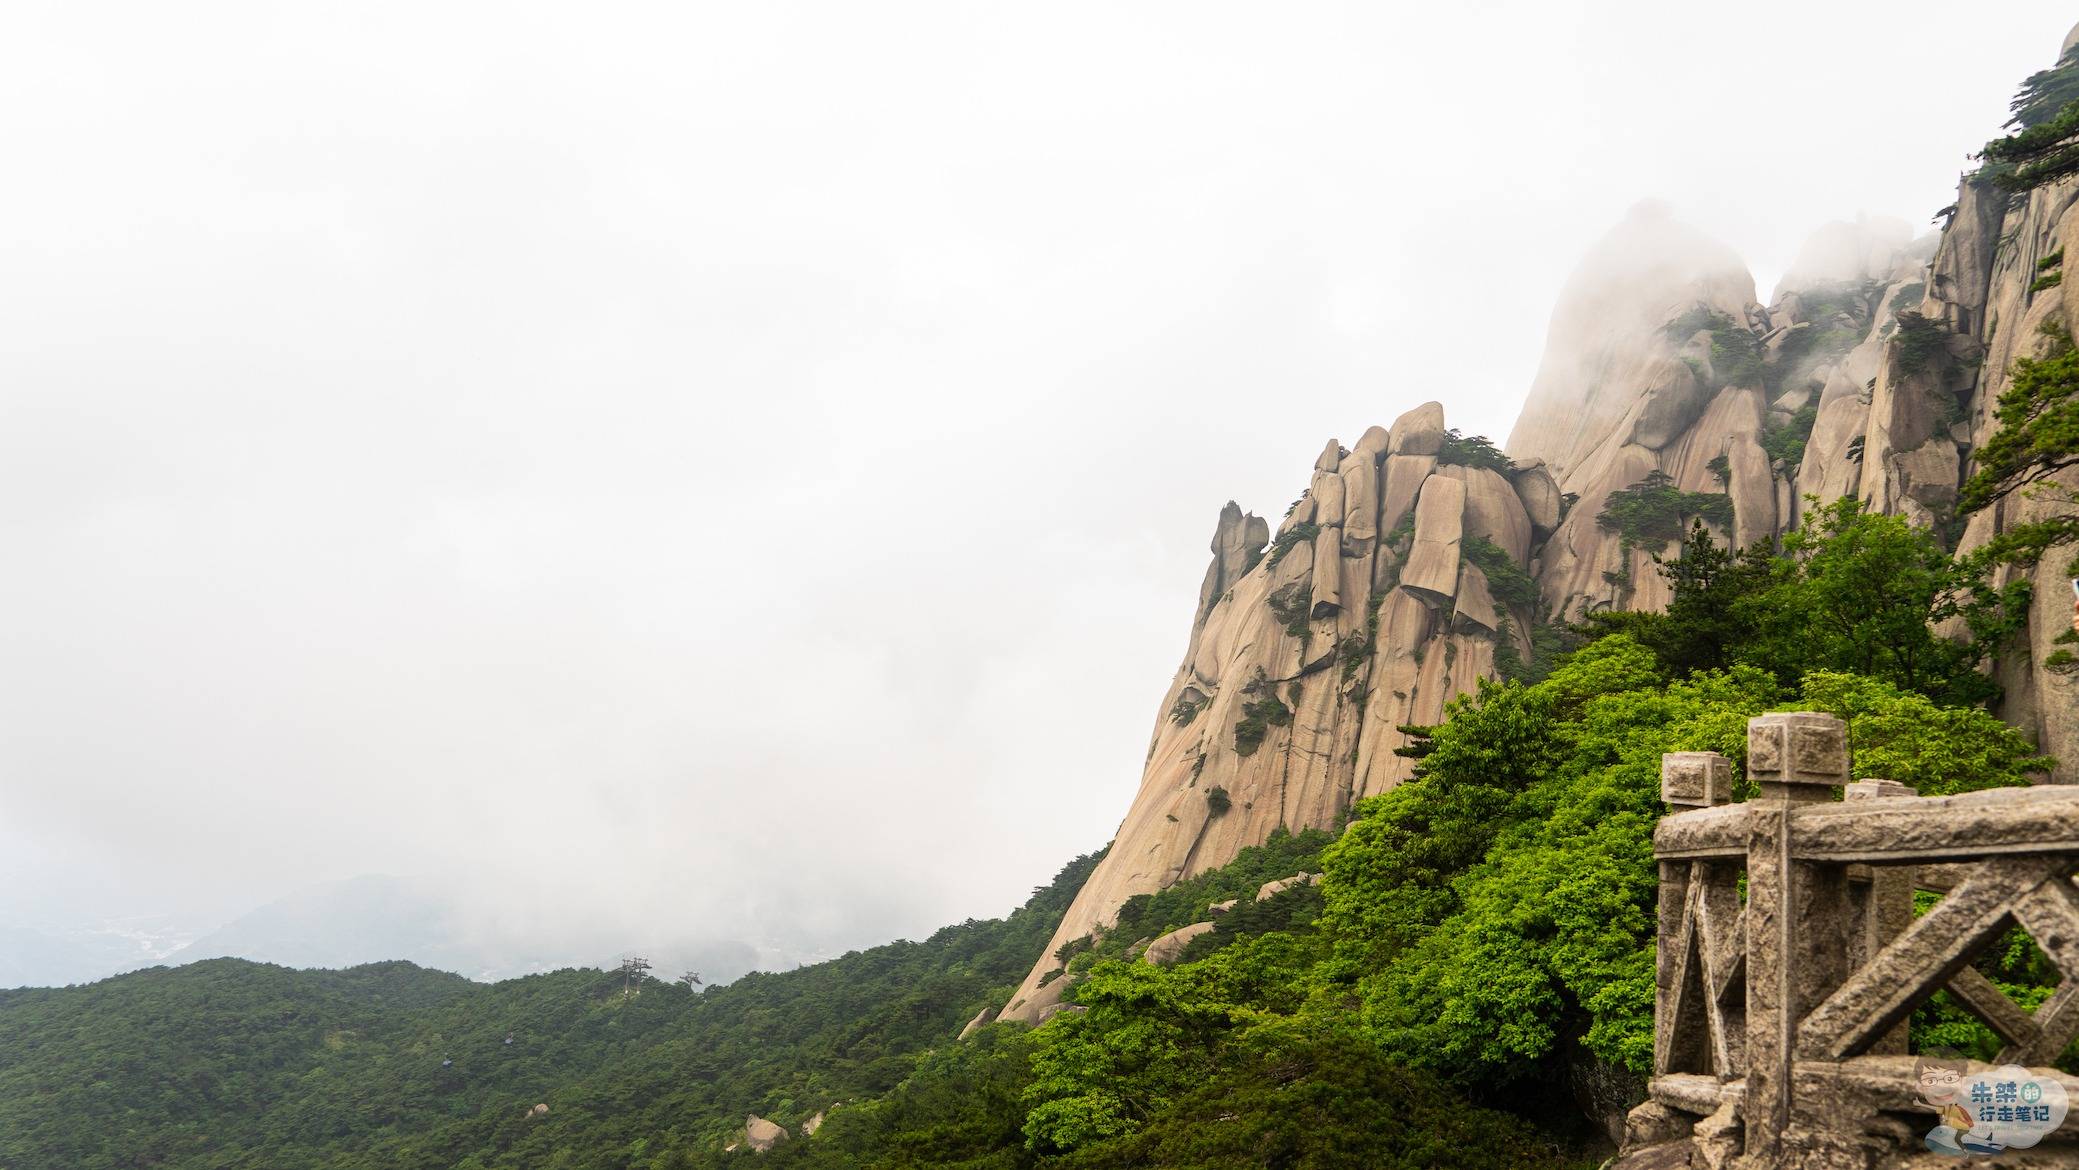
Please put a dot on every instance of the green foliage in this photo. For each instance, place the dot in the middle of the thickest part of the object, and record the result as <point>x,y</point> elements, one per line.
<point>229,1063</point>
<point>1506,580</point>
<point>1861,592</point>
<point>2046,113</point>
<point>1786,442</point>
<point>2046,94</point>
<point>1185,902</point>
<point>1186,710</point>
<point>1708,621</point>
<point>2046,282</point>
<point>1292,538</point>
<point>1258,717</point>
<point>1907,737</point>
<point>1477,451</point>
<point>1918,341</point>
<point>1294,605</point>
<point>2037,436</point>
<point>1649,513</point>
<point>1721,469</point>
<point>1217,801</point>
<point>1736,356</point>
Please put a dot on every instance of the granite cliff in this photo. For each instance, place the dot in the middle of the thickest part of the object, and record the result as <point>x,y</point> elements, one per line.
<point>1390,587</point>
<point>1417,562</point>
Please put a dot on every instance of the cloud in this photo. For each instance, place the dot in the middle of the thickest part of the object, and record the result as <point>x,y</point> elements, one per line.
<point>744,472</point>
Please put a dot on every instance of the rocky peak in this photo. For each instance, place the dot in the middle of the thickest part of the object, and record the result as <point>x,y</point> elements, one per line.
<point>1395,583</point>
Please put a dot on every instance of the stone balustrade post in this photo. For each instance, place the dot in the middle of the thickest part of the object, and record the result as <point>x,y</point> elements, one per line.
<point>1881,898</point>
<point>1794,909</point>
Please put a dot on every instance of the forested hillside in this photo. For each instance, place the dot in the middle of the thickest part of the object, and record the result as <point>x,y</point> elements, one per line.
<point>1472,977</point>
<point>230,1063</point>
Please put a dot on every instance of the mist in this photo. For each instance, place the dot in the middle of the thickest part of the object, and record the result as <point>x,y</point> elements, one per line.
<point>681,476</point>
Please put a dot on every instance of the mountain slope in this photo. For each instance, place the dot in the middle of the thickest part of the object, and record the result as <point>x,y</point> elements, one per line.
<point>226,1063</point>
<point>1393,585</point>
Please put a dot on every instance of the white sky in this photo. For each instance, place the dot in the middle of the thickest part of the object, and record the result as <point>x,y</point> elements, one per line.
<point>747,468</point>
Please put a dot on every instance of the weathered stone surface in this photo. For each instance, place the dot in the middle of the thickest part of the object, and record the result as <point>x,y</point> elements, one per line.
<point>1695,779</point>
<point>981,1018</point>
<point>1930,952</point>
<point>1475,608</point>
<point>1539,494</point>
<point>1272,889</point>
<point>1373,443</point>
<point>809,1127</point>
<point>1928,474</point>
<point>1419,432</point>
<point>762,1135</point>
<point>1170,947</point>
<point>1219,908</point>
<point>1360,486</point>
<point>1492,510</point>
<point>1718,1140</point>
<point>1432,567</point>
<point>1607,337</point>
<point>1405,475</point>
<point>1753,491</point>
<point>1327,492</point>
<point>1331,456</point>
<point>1328,571</point>
<point>1801,748</point>
<point>1939,828</point>
<point>1672,400</point>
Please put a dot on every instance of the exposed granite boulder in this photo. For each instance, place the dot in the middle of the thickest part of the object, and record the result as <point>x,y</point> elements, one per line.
<point>1419,432</point>
<point>981,1018</point>
<point>1475,609</point>
<point>1493,510</point>
<point>1432,566</point>
<point>1170,947</point>
<point>1272,889</point>
<point>1539,494</point>
<point>762,1135</point>
<point>1671,402</point>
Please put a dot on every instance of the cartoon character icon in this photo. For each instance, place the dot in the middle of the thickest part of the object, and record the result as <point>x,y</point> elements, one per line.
<point>1941,1088</point>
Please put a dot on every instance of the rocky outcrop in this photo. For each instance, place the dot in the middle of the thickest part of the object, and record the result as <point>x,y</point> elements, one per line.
<point>1310,650</point>
<point>1683,374</point>
<point>1872,372</point>
<point>981,1020</point>
<point>1170,947</point>
<point>1272,889</point>
<point>761,1135</point>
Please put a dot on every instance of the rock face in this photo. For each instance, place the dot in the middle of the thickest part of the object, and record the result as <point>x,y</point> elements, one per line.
<point>1669,366</point>
<point>981,1019</point>
<point>1272,889</point>
<point>762,1135</point>
<point>1307,656</point>
<point>1170,947</point>
<point>1873,372</point>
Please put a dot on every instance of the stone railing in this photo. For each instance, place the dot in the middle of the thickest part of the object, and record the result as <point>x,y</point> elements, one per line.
<point>1780,1017</point>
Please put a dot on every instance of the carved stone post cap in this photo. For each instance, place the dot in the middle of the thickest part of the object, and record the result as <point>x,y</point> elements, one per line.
<point>1695,779</point>
<point>1797,748</point>
<point>1875,789</point>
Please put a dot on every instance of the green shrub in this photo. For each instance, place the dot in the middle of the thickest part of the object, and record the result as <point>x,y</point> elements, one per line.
<point>1651,512</point>
<point>1292,538</point>
<point>1785,442</point>
<point>1476,451</point>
